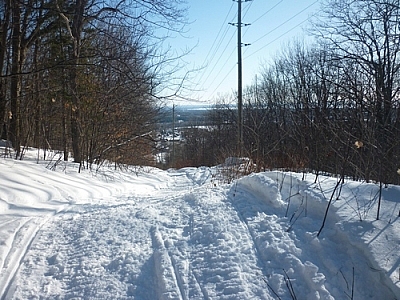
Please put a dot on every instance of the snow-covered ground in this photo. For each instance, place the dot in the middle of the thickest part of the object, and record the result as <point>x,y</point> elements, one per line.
<point>144,233</point>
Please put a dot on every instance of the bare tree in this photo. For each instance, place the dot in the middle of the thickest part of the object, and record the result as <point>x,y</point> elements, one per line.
<point>367,34</point>
<point>86,74</point>
<point>80,15</point>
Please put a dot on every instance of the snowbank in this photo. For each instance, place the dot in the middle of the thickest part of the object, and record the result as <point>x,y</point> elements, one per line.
<point>262,187</point>
<point>177,234</point>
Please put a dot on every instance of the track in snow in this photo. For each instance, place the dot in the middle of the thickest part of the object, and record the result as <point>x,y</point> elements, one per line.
<point>20,234</point>
<point>189,241</point>
<point>186,242</point>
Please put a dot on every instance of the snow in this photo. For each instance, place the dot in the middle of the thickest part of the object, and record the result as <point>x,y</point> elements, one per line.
<point>144,233</point>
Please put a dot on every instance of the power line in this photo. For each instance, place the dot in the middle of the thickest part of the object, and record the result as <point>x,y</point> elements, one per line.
<point>206,61</point>
<point>248,7</point>
<point>268,11</point>
<point>291,18</point>
<point>211,72</point>
<point>215,52</point>
<point>272,8</point>
<point>221,68</point>
<point>286,32</point>
<point>224,22</point>
<point>226,74</point>
<point>257,40</point>
<point>219,58</point>
<point>222,53</point>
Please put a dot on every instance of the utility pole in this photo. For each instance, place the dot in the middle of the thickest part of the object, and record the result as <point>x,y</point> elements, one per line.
<point>173,136</point>
<point>240,95</point>
<point>240,88</point>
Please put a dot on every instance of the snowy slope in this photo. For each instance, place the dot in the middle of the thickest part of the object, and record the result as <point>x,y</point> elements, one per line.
<point>182,234</point>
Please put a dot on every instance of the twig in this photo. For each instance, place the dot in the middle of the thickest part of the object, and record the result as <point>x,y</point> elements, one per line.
<point>352,287</point>
<point>290,195</point>
<point>289,286</point>
<point>272,290</point>
<point>379,200</point>
<point>327,208</point>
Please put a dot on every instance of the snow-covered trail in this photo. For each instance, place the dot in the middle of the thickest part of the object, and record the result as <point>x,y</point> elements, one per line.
<point>185,242</point>
<point>179,235</point>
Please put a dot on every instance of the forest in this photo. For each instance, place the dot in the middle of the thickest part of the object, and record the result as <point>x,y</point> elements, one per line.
<point>88,77</point>
<point>85,77</point>
<point>327,106</point>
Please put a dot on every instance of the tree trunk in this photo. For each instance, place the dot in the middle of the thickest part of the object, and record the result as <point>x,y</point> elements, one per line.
<point>3,44</point>
<point>15,78</point>
<point>76,31</point>
<point>75,116</point>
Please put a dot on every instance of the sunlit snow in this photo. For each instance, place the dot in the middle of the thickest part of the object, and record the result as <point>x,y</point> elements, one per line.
<point>144,233</point>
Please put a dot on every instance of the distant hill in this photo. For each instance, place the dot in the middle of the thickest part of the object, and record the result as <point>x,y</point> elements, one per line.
<point>185,115</point>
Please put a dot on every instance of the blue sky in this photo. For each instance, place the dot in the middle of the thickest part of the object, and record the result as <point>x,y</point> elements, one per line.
<point>273,24</point>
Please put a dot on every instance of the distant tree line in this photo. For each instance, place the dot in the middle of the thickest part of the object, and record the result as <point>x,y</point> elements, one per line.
<point>84,76</point>
<point>332,106</point>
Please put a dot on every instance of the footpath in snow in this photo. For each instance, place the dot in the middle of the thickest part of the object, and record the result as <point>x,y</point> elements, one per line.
<point>144,233</point>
